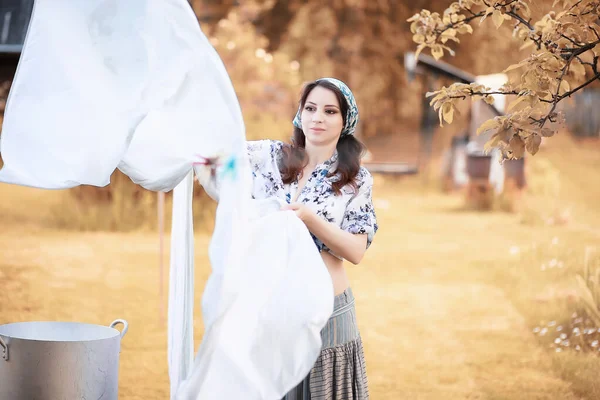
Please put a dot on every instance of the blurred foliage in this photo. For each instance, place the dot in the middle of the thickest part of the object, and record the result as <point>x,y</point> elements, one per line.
<point>123,206</point>
<point>588,285</point>
<point>270,47</point>
<point>267,84</point>
<point>363,43</point>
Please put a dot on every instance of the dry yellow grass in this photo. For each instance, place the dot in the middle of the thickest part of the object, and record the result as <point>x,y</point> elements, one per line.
<point>445,309</point>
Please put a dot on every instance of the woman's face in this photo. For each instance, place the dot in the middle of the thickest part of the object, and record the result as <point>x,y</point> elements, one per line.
<point>321,117</point>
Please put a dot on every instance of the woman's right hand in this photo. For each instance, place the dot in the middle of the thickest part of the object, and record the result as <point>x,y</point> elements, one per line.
<point>207,178</point>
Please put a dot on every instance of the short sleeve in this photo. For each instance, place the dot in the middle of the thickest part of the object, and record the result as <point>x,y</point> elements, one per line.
<point>359,217</point>
<point>261,152</point>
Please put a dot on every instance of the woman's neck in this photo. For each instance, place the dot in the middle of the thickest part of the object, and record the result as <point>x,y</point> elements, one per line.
<point>318,154</point>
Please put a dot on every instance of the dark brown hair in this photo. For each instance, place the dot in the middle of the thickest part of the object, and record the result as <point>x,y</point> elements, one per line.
<point>349,148</point>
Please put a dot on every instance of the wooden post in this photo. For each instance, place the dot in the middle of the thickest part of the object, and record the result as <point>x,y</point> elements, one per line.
<point>515,171</point>
<point>161,234</point>
<point>514,184</point>
<point>480,194</point>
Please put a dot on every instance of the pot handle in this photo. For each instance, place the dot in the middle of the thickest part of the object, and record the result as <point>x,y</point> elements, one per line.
<point>125,326</point>
<point>4,349</point>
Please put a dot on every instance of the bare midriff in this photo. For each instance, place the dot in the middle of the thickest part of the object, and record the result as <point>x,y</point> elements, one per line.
<point>336,269</point>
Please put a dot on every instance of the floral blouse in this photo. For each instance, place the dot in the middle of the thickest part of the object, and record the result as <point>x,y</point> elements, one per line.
<point>352,210</point>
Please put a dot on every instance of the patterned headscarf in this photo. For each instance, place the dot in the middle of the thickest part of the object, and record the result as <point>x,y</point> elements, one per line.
<point>351,115</point>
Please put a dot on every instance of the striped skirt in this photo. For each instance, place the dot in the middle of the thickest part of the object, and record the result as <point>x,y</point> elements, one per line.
<point>339,373</point>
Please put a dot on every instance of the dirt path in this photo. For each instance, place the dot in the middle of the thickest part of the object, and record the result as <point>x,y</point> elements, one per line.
<point>432,329</point>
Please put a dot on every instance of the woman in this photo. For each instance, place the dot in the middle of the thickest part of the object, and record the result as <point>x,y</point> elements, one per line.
<point>319,177</point>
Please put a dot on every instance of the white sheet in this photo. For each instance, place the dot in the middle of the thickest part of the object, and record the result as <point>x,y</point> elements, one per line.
<point>264,305</point>
<point>136,85</point>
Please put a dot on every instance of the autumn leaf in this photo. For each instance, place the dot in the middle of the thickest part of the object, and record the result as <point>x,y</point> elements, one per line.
<point>488,125</point>
<point>516,102</point>
<point>489,11</point>
<point>532,143</point>
<point>513,67</point>
<point>498,18</point>
<point>449,32</point>
<point>452,37</point>
<point>419,50</point>
<point>465,28</point>
<point>577,68</point>
<point>418,38</point>
<point>525,9</point>
<point>414,26</point>
<point>527,44</point>
<point>564,87</point>
<point>494,142</point>
<point>437,51</point>
<point>489,99</point>
<point>448,112</point>
<point>560,15</point>
<point>517,146</point>
<point>547,132</point>
<point>414,18</point>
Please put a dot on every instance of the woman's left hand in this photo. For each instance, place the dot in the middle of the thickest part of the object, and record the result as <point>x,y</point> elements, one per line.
<point>302,212</point>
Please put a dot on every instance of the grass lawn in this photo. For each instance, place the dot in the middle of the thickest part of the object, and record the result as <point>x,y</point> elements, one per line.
<point>447,299</point>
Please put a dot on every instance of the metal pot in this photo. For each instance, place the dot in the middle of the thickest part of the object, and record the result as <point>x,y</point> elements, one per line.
<point>59,360</point>
<point>478,166</point>
<point>515,170</point>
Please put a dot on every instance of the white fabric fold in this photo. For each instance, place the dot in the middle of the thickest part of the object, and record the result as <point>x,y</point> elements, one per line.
<point>265,303</point>
<point>181,286</point>
<point>136,85</point>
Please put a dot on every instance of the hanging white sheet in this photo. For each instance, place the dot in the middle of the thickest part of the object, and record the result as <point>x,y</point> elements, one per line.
<point>136,85</point>
<point>264,305</point>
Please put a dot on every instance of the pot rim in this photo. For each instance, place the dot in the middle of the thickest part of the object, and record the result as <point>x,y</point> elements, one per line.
<point>60,331</point>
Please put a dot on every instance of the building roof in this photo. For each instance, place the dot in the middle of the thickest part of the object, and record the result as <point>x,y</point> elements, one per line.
<point>14,21</point>
<point>427,64</point>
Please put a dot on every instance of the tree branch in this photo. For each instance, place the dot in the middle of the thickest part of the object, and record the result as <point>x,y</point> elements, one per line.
<point>537,121</point>
<point>469,10</point>
<point>570,40</point>
<point>520,19</point>
<point>580,50</point>
<point>568,94</point>
<point>575,5</point>
<point>568,44</point>
<point>592,65</point>
<point>556,97</point>
<point>595,32</point>
<point>464,21</point>
<point>509,3</point>
<point>483,94</point>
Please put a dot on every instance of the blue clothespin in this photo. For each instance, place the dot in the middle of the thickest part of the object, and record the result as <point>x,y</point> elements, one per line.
<point>230,168</point>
